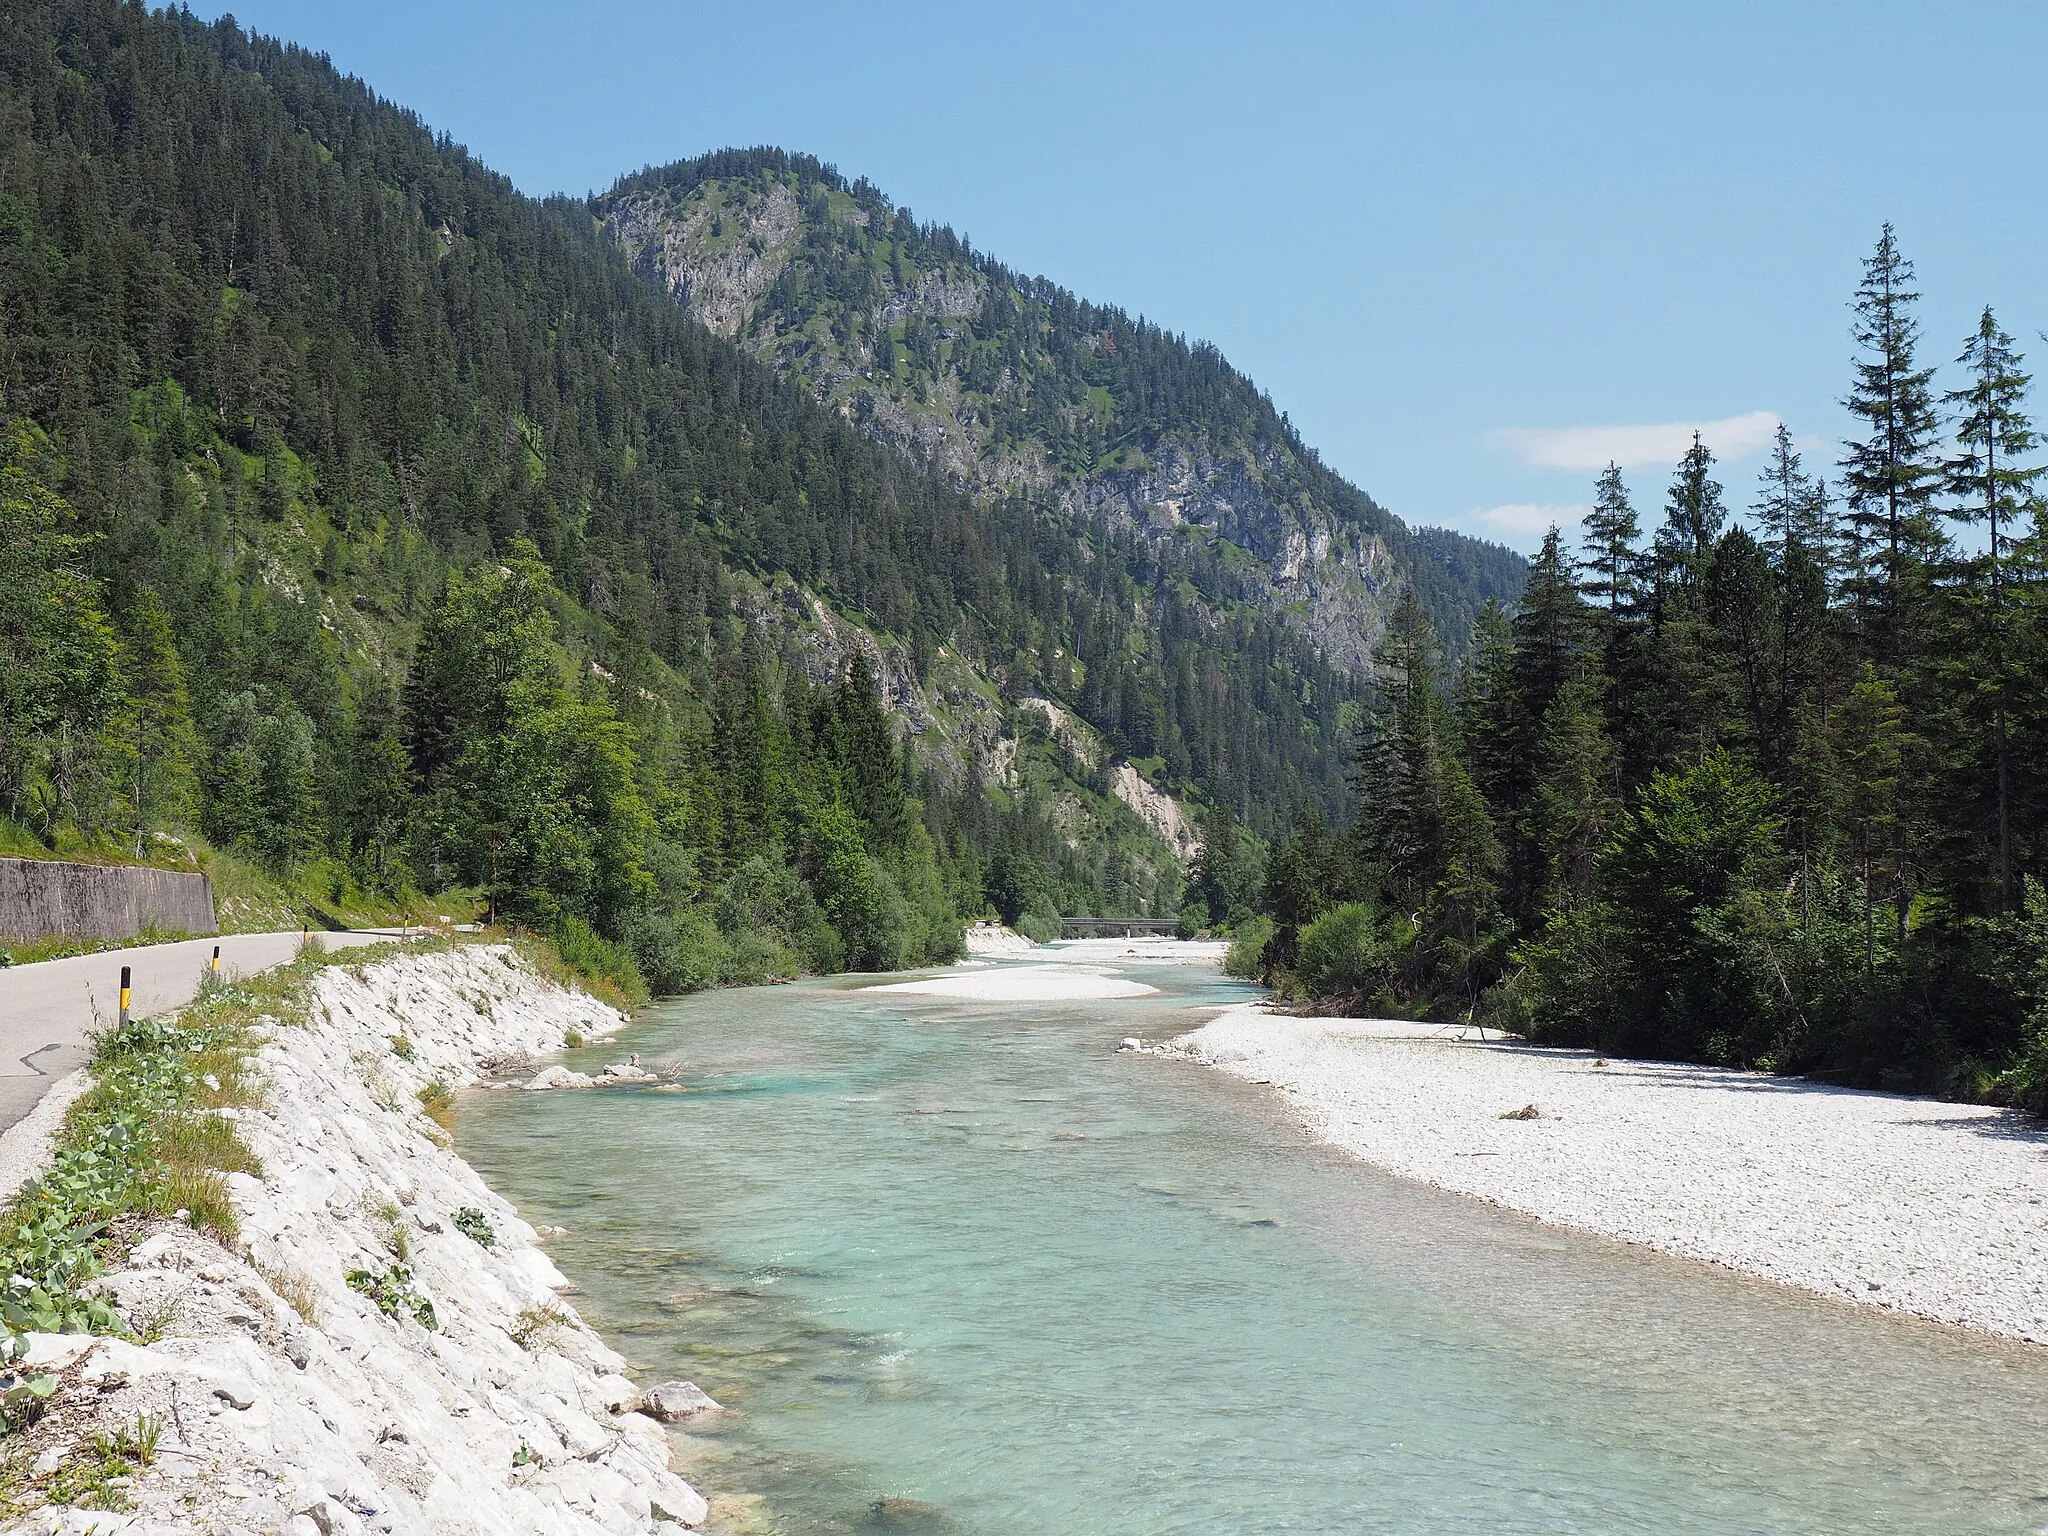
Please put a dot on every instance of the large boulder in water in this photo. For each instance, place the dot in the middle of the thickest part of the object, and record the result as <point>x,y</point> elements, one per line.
<point>674,1401</point>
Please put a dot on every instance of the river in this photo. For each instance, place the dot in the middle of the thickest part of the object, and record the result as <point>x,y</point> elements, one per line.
<point>966,1259</point>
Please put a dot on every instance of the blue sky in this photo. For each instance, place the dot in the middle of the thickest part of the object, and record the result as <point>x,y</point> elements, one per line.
<point>1472,249</point>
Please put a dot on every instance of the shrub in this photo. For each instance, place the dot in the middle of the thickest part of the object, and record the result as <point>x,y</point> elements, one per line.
<point>596,958</point>
<point>1341,953</point>
<point>684,953</point>
<point>756,957</point>
<point>538,1326</point>
<point>1039,927</point>
<point>1247,954</point>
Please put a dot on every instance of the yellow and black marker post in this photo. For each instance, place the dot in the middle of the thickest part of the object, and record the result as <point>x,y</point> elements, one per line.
<point>124,997</point>
<point>216,960</point>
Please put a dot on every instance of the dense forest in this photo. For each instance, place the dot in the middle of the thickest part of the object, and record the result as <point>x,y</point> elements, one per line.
<point>374,525</point>
<point>1764,792</point>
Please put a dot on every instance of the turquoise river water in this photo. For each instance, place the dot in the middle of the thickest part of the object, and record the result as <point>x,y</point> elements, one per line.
<point>960,1267</point>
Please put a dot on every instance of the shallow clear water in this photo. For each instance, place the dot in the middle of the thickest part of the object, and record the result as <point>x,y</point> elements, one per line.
<point>967,1256</point>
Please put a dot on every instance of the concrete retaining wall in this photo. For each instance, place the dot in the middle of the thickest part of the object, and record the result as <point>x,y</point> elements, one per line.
<point>39,897</point>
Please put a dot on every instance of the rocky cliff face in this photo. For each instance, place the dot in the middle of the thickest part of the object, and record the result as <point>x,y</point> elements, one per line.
<point>1013,388</point>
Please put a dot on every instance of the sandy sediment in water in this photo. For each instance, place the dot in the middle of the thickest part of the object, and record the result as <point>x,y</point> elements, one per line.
<point>1926,1207</point>
<point>1023,984</point>
<point>320,1414</point>
<point>1078,970</point>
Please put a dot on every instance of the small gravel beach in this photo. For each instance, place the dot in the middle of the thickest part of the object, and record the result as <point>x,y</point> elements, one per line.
<point>1926,1207</point>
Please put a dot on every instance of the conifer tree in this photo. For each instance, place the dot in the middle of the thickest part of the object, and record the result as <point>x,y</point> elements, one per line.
<point>1870,747</point>
<point>1574,800</point>
<point>1549,634</point>
<point>1402,762</point>
<point>1992,480</point>
<point>1891,472</point>
<point>159,744</point>
<point>1486,701</point>
<point>57,677</point>
<point>1784,495</point>
<point>1610,543</point>
<point>1694,512</point>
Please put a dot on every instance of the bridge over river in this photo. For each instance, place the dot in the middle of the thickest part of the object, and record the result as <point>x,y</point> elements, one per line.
<point>1116,927</point>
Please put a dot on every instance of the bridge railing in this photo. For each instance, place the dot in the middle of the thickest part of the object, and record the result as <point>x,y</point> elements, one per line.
<point>1116,927</point>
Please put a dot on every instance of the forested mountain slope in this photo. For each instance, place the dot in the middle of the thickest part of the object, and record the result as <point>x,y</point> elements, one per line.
<point>365,515</point>
<point>1016,389</point>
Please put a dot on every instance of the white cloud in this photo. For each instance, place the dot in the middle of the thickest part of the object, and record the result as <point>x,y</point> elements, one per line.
<point>1516,520</point>
<point>1594,448</point>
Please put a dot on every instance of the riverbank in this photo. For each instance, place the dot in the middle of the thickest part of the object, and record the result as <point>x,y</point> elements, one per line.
<point>386,1348</point>
<point>1926,1207</point>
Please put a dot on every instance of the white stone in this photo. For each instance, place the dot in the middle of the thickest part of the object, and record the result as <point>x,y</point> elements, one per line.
<point>54,1351</point>
<point>674,1401</point>
<point>557,1076</point>
<point>615,1394</point>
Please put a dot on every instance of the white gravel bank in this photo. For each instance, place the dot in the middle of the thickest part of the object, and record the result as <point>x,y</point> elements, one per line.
<point>1926,1207</point>
<point>358,1421</point>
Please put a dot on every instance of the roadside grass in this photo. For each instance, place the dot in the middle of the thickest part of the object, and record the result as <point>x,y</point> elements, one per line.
<point>596,966</point>
<point>61,946</point>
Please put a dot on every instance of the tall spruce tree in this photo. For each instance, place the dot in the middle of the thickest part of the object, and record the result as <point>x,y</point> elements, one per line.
<point>1783,496</point>
<point>1611,534</point>
<point>1892,473</point>
<point>1574,801</point>
<point>1693,512</point>
<point>57,674</point>
<point>1992,481</point>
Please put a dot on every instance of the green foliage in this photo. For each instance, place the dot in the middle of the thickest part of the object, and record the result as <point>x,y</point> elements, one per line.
<point>1677,958</point>
<point>437,1103</point>
<point>1101,395</point>
<point>391,1290</point>
<point>99,1478</point>
<point>1247,953</point>
<point>531,791</point>
<point>595,958</point>
<point>403,547</point>
<point>1225,875</point>
<point>1771,798</point>
<point>57,650</point>
<point>1344,953</point>
<point>1038,927</point>
<point>23,1391</point>
<point>474,1225</point>
<point>143,1139</point>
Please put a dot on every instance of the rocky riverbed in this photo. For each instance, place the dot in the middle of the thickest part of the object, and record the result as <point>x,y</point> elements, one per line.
<point>1916,1205</point>
<point>283,1398</point>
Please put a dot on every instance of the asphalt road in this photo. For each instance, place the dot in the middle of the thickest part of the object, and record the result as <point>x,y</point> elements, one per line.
<point>49,1011</point>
